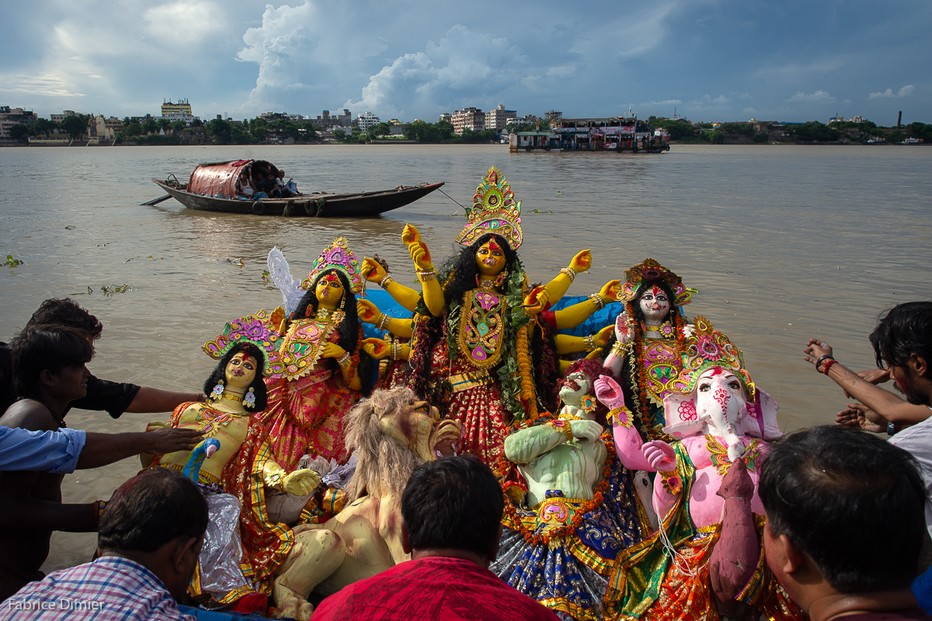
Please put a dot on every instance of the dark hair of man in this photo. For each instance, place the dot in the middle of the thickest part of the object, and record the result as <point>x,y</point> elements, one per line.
<point>65,312</point>
<point>258,383</point>
<point>905,330</point>
<point>150,510</point>
<point>39,347</point>
<point>453,503</point>
<point>851,501</point>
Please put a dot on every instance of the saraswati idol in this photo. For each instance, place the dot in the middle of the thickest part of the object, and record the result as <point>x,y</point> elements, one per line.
<point>471,346</point>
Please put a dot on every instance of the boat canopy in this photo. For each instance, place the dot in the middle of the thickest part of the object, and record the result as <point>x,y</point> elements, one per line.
<point>219,179</point>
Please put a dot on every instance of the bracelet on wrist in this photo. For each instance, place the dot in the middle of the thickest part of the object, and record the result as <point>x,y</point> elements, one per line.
<point>344,359</point>
<point>820,360</point>
<point>827,365</point>
<point>426,274</point>
<point>570,273</point>
<point>386,280</point>
<point>595,297</point>
<point>564,427</point>
<point>382,321</point>
<point>590,343</point>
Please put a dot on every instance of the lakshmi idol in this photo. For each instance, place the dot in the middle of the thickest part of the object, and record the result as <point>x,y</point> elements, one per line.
<point>650,337</point>
<point>323,371</point>
<point>471,349</point>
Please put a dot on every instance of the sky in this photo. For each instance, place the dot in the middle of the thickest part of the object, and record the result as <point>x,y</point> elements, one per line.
<point>702,60</point>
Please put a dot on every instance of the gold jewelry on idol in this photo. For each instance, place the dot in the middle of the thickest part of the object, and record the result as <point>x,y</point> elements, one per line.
<point>494,210</point>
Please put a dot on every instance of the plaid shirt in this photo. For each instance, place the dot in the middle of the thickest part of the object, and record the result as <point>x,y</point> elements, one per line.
<point>111,588</point>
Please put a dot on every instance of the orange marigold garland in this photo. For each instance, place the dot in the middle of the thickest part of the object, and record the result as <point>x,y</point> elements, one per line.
<point>528,394</point>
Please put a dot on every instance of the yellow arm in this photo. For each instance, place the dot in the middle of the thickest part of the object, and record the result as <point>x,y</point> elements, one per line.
<point>424,268</point>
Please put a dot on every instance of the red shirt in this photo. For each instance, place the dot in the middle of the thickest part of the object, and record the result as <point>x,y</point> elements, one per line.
<point>435,588</point>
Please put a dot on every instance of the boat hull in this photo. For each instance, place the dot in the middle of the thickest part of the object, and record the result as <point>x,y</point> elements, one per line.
<point>351,205</point>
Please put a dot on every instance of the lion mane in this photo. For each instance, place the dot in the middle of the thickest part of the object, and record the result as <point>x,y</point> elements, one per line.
<point>383,466</point>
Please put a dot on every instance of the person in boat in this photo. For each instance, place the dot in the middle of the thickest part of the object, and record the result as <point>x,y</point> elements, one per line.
<point>580,510</point>
<point>324,368</point>
<point>49,373</point>
<point>471,352</point>
<point>237,478</point>
<point>650,337</point>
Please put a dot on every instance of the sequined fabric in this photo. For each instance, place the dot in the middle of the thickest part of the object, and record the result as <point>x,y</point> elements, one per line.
<point>569,574</point>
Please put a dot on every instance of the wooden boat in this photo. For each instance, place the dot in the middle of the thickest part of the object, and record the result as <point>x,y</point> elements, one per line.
<point>218,187</point>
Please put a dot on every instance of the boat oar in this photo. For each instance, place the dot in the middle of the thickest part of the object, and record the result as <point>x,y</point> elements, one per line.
<point>156,201</point>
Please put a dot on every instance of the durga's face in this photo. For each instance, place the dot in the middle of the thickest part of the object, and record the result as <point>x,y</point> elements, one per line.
<point>490,258</point>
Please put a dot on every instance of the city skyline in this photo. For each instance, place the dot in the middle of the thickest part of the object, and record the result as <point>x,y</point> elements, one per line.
<point>704,60</point>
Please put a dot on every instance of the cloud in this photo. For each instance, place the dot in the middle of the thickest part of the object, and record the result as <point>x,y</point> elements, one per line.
<point>813,97</point>
<point>184,24</point>
<point>464,68</point>
<point>904,91</point>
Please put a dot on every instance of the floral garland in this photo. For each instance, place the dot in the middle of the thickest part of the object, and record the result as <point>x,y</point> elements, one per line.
<point>513,520</point>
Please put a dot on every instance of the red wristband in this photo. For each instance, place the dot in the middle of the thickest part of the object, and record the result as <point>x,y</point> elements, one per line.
<point>827,365</point>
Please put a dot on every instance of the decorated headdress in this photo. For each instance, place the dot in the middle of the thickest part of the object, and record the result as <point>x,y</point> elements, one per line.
<point>338,256</point>
<point>651,271</point>
<point>255,329</point>
<point>706,348</point>
<point>494,210</point>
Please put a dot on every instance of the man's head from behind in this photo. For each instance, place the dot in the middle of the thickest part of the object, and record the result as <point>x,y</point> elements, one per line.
<point>845,505</point>
<point>157,518</point>
<point>453,503</point>
<point>902,342</point>
<point>66,312</point>
<point>40,352</point>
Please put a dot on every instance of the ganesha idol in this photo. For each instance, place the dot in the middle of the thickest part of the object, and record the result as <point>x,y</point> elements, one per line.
<point>705,492</point>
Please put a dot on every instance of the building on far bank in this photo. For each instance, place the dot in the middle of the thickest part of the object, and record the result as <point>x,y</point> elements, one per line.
<point>499,118</point>
<point>10,117</point>
<point>470,118</point>
<point>367,120</point>
<point>180,111</point>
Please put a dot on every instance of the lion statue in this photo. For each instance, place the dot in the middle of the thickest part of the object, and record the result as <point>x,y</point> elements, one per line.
<point>391,433</point>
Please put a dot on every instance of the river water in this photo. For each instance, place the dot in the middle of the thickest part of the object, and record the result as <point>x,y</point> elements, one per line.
<point>782,242</point>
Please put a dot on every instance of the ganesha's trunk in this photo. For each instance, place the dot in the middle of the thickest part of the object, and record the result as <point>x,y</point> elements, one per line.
<point>737,550</point>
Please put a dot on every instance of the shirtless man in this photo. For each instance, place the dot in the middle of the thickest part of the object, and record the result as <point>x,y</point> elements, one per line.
<point>49,373</point>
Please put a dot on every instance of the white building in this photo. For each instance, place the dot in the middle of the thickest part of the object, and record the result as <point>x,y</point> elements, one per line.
<point>499,118</point>
<point>472,119</point>
<point>367,120</point>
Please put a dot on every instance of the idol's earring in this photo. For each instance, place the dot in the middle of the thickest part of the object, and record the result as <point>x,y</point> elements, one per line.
<point>249,401</point>
<point>309,311</point>
<point>502,276</point>
<point>217,392</point>
<point>343,302</point>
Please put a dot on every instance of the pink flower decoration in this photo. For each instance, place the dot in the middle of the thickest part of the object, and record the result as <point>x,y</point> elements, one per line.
<point>687,411</point>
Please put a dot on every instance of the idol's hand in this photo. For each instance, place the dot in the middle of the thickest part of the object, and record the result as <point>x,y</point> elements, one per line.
<point>331,350</point>
<point>410,235</point>
<point>300,482</point>
<point>536,301</point>
<point>659,455</point>
<point>377,348</point>
<point>609,393</point>
<point>602,336</point>
<point>609,291</point>
<point>372,270</point>
<point>582,261</point>
<point>421,256</point>
<point>586,429</point>
<point>622,329</point>
<point>367,311</point>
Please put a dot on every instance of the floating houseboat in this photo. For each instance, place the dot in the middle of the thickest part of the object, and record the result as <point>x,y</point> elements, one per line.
<point>614,134</point>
